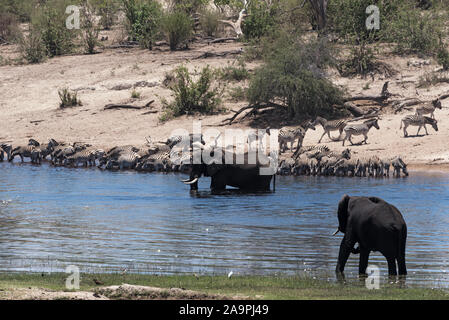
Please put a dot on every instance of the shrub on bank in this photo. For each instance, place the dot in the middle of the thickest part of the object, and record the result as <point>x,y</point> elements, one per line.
<point>209,22</point>
<point>8,27</point>
<point>178,28</point>
<point>143,20</point>
<point>107,10</point>
<point>192,96</point>
<point>50,21</point>
<point>68,99</point>
<point>32,47</point>
<point>294,75</point>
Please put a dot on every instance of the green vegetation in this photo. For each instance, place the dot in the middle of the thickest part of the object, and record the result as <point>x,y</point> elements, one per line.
<point>135,94</point>
<point>32,47</point>
<point>68,99</point>
<point>253,287</point>
<point>107,10</point>
<point>261,19</point>
<point>178,28</point>
<point>209,21</point>
<point>143,19</point>
<point>192,96</point>
<point>233,73</point>
<point>90,30</point>
<point>293,74</point>
<point>432,78</point>
<point>8,27</point>
<point>50,21</point>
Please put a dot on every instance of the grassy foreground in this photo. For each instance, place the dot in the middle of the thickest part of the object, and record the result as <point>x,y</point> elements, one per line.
<point>254,287</point>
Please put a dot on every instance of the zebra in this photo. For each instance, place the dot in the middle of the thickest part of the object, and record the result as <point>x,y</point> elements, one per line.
<point>429,108</point>
<point>126,160</point>
<point>174,140</point>
<point>86,156</point>
<point>287,135</point>
<point>62,152</point>
<point>29,151</point>
<point>286,167</point>
<point>329,126</point>
<point>346,167</point>
<point>418,120</point>
<point>5,148</point>
<point>398,164</point>
<point>319,149</point>
<point>360,129</point>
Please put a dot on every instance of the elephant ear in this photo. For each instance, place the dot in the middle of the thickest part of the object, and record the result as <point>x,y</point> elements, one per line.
<point>343,213</point>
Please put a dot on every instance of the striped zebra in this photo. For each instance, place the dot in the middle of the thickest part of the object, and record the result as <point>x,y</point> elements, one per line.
<point>5,148</point>
<point>29,151</point>
<point>126,160</point>
<point>429,108</point>
<point>329,126</point>
<point>360,129</point>
<point>418,121</point>
<point>316,148</point>
<point>87,157</point>
<point>398,164</point>
<point>174,140</point>
<point>287,135</point>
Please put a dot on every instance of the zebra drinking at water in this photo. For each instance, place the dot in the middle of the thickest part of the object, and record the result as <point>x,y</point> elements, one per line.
<point>329,126</point>
<point>360,129</point>
<point>429,108</point>
<point>418,120</point>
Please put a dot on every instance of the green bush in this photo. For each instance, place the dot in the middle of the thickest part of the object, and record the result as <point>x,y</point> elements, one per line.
<point>143,19</point>
<point>90,29</point>
<point>191,96</point>
<point>32,47</point>
<point>293,75</point>
<point>234,73</point>
<point>237,94</point>
<point>178,28</point>
<point>107,10</point>
<point>50,21</point>
<point>414,31</point>
<point>188,6</point>
<point>360,61</point>
<point>19,8</point>
<point>8,27</point>
<point>68,99</point>
<point>443,57</point>
<point>261,19</point>
<point>209,22</point>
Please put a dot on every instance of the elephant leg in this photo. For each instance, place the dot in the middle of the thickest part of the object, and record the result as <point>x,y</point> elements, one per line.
<point>347,244</point>
<point>391,266</point>
<point>363,260</point>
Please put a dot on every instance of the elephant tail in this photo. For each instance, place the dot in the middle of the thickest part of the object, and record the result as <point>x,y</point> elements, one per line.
<point>402,269</point>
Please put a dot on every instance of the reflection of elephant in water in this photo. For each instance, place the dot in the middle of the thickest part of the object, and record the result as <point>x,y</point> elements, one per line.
<point>246,176</point>
<point>376,226</point>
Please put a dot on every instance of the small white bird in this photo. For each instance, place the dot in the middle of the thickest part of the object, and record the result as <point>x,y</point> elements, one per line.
<point>230,274</point>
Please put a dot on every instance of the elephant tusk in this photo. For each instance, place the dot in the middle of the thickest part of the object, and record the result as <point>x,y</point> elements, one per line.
<point>186,180</point>
<point>335,232</point>
<point>191,182</point>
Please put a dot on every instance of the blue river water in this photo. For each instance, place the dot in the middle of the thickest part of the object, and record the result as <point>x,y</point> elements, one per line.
<point>115,221</point>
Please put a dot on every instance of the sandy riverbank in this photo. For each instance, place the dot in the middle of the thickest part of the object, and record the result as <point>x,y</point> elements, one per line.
<point>29,102</point>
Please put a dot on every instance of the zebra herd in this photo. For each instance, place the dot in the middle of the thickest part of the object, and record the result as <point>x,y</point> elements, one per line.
<point>321,161</point>
<point>148,157</point>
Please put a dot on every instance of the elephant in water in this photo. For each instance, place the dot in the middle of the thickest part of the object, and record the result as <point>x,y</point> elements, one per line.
<point>244,176</point>
<point>377,226</point>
